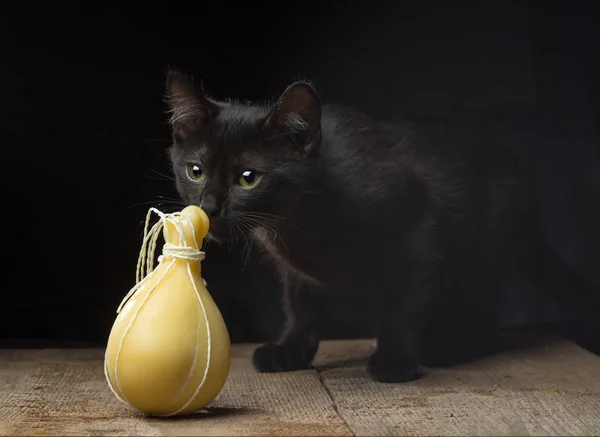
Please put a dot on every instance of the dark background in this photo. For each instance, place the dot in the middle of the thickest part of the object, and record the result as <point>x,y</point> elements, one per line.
<point>84,132</point>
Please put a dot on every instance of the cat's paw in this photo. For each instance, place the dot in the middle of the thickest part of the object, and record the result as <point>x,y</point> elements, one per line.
<point>393,368</point>
<point>273,357</point>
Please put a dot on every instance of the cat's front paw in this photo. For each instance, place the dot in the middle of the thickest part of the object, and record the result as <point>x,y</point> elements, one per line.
<point>393,368</point>
<point>273,357</point>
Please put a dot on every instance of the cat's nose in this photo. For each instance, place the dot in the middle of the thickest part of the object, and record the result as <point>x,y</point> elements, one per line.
<point>210,206</point>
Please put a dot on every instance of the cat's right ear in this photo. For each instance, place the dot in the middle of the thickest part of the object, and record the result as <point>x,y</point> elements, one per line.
<point>297,114</point>
<point>188,106</point>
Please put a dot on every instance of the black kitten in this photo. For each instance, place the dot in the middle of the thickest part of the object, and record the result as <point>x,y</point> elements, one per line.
<point>424,219</point>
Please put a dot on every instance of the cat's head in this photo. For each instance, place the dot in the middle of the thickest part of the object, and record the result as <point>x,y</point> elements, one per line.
<point>246,166</point>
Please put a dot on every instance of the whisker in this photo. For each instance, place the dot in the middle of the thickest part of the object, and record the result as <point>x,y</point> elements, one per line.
<point>247,245</point>
<point>174,199</point>
<point>156,203</point>
<point>249,227</point>
<point>268,226</point>
<point>264,214</point>
<point>162,175</point>
<point>273,219</point>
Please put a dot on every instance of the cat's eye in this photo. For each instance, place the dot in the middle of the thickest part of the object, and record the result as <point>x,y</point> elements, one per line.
<point>249,178</point>
<point>194,172</point>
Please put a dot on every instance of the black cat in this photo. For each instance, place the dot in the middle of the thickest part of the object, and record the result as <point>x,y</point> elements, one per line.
<point>424,218</point>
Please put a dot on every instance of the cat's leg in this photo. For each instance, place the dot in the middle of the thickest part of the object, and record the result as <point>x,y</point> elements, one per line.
<point>298,343</point>
<point>402,307</point>
<point>454,340</point>
<point>464,325</point>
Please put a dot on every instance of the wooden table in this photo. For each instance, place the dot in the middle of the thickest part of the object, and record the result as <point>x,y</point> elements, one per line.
<point>552,388</point>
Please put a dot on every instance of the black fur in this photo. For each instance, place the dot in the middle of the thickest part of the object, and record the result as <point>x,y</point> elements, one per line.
<point>426,219</point>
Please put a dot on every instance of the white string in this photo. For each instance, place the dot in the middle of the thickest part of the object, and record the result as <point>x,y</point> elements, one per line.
<point>146,260</point>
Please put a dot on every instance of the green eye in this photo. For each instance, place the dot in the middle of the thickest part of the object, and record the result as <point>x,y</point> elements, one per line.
<point>249,178</point>
<point>195,172</point>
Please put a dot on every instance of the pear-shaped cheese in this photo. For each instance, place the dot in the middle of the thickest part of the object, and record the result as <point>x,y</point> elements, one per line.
<point>168,352</point>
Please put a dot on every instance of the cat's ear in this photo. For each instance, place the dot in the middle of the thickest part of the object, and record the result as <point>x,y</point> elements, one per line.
<point>297,113</point>
<point>188,106</point>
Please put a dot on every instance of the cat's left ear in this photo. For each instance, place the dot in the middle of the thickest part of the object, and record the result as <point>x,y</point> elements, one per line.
<point>189,107</point>
<point>297,114</point>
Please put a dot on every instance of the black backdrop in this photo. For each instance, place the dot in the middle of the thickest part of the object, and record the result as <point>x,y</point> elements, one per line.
<point>84,130</point>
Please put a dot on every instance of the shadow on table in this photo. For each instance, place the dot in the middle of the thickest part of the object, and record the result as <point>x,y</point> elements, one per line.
<point>208,412</point>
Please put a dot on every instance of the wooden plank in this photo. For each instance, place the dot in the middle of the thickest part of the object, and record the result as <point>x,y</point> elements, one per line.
<point>547,389</point>
<point>63,392</point>
<point>551,389</point>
